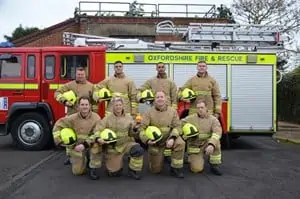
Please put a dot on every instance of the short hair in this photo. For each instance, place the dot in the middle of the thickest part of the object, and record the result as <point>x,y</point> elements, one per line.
<point>118,62</point>
<point>199,101</point>
<point>160,91</point>
<point>80,68</point>
<point>84,98</point>
<point>201,61</point>
<point>160,63</point>
<point>117,99</point>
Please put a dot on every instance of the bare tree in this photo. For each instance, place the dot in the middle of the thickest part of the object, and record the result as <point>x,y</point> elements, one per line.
<point>269,12</point>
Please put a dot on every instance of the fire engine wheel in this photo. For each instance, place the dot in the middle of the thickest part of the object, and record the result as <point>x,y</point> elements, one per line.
<point>31,131</point>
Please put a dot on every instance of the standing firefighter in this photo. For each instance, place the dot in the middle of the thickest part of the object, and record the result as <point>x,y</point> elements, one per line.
<point>115,134</point>
<point>118,85</point>
<point>74,131</point>
<point>161,82</point>
<point>160,129</point>
<point>202,86</point>
<point>202,133</point>
<point>70,92</point>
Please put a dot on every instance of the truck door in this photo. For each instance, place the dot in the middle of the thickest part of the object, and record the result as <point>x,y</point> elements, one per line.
<point>32,77</point>
<point>50,63</point>
<point>11,81</point>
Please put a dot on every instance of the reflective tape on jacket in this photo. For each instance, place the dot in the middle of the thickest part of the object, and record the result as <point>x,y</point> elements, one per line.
<point>24,86</point>
<point>203,92</point>
<point>216,136</point>
<point>82,136</point>
<point>118,94</point>
<point>204,136</point>
<point>134,104</point>
<point>193,150</point>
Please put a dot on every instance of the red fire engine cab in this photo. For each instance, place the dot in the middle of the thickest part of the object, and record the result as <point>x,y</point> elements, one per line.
<point>28,80</point>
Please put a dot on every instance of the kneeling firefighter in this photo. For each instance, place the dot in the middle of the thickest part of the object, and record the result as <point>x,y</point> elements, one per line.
<point>73,131</point>
<point>161,129</point>
<point>122,126</point>
<point>202,133</point>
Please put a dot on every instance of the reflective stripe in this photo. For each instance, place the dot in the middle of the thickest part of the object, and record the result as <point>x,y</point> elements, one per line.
<point>136,163</point>
<point>117,94</point>
<point>174,106</point>
<point>215,159</point>
<point>133,104</point>
<point>177,163</point>
<point>56,134</point>
<point>203,92</point>
<point>122,134</point>
<point>19,86</point>
<point>82,136</point>
<point>55,86</point>
<point>204,136</point>
<point>193,150</point>
<point>216,136</point>
<point>58,97</point>
<point>164,128</point>
<point>167,152</point>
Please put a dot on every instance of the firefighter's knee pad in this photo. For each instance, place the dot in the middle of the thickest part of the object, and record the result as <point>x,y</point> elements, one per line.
<point>115,173</point>
<point>136,151</point>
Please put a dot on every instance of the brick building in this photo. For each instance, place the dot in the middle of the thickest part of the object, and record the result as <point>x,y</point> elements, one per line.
<point>114,26</point>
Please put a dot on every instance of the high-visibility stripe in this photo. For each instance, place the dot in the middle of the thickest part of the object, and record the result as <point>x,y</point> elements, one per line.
<point>55,86</point>
<point>19,86</point>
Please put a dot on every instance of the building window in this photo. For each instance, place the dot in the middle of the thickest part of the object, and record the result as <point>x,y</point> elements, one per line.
<point>11,68</point>
<point>69,63</point>
<point>31,67</point>
<point>50,67</point>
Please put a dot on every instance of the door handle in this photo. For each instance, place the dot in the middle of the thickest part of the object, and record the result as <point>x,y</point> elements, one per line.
<point>17,93</point>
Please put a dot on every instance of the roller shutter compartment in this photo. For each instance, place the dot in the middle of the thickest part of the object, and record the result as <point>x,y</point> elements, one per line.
<point>252,97</point>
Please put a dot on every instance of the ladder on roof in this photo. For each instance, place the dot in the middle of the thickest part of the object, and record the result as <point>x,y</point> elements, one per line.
<point>198,37</point>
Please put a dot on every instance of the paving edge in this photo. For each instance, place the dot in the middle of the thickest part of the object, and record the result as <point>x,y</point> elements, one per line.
<point>27,172</point>
<point>294,141</point>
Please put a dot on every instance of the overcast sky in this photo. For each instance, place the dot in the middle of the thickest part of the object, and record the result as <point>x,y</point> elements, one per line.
<point>45,13</point>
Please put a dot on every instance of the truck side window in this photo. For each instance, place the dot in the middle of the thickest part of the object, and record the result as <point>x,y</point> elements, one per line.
<point>69,63</point>
<point>31,67</point>
<point>11,68</point>
<point>50,67</point>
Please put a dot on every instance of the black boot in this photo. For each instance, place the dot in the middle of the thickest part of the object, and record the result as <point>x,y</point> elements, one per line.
<point>215,169</point>
<point>93,174</point>
<point>116,173</point>
<point>177,172</point>
<point>67,161</point>
<point>134,174</point>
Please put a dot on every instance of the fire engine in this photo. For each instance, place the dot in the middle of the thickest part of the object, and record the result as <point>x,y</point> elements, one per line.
<point>241,58</point>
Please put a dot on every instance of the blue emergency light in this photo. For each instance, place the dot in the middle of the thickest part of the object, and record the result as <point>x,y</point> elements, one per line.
<point>6,44</point>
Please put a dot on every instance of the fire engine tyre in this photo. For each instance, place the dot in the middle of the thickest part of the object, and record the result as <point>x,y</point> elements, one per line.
<point>31,132</point>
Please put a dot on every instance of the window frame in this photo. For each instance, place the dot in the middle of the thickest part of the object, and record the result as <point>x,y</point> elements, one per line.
<point>45,66</point>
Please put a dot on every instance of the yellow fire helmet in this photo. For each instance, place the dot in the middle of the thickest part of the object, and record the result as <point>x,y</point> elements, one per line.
<point>70,96</point>
<point>68,136</point>
<point>188,94</point>
<point>108,135</point>
<point>104,94</point>
<point>147,95</point>
<point>153,133</point>
<point>189,130</point>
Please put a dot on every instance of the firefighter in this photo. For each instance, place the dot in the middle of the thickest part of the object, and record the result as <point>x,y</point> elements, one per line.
<point>74,90</point>
<point>119,85</point>
<point>83,123</point>
<point>161,82</point>
<point>202,132</point>
<point>166,119</point>
<point>205,87</point>
<point>124,127</point>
